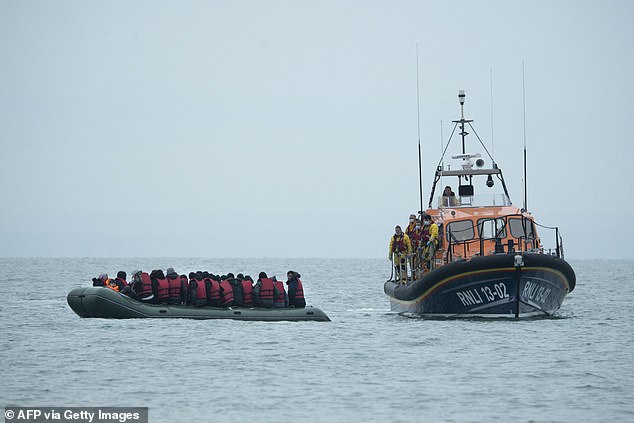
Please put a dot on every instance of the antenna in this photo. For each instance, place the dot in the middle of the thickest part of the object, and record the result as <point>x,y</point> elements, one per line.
<point>462,121</point>
<point>420,165</point>
<point>492,150</point>
<point>524,107</point>
<point>442,162</point>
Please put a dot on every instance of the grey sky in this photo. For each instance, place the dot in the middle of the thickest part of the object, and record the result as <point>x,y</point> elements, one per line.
<point>288,128</point>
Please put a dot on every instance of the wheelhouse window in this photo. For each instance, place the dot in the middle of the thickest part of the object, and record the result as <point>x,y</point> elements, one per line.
<point>460,230</point>
<point>492,228</point>
<point>522,228</point>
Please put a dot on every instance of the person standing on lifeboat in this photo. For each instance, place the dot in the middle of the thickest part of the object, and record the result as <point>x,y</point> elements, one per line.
<point>415,237</point>
<point>400,250</point>
<point>429,239</point>
<point>295,290</point>
<point>411,226</point>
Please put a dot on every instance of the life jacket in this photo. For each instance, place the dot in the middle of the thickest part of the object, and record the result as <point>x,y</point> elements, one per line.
<point>198,292</point>
<point>411,228</point>
<point>122,282</point>
<point>425,233</point>
<point>298,299</point>
<point>238,292</point>
<point>299,294</point>
<point>145,291</point>
<point>174,289</point>
<point>213,296</point>
<point>279,299</point>
<point>266,292</point>
<point>112,285</point>
<point>227,294</point>
<point>247,288</point>
<point>398,244</point>
<point>162,290</point>
<point>416,236</point>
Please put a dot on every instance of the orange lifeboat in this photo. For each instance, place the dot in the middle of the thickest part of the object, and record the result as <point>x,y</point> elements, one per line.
<point>490,260</point>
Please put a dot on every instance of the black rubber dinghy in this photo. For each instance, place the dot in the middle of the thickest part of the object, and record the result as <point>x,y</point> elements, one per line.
<point>108,304</point>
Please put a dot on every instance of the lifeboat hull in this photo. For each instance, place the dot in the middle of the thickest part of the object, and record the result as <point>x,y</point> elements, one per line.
<point>108,304</point>
<point>504,285</point>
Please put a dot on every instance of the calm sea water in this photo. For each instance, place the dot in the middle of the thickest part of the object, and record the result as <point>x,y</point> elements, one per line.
<point>367,365</point>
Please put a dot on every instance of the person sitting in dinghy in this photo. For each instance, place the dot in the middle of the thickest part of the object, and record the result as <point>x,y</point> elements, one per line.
<point>118,284</point>
<point>295,290</point>
<point>143,286</point>
<point>264,291</point>
<point>247,289</point>
<point>100,280</point>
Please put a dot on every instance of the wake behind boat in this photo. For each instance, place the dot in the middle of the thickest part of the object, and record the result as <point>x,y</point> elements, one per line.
<point>486,260</point>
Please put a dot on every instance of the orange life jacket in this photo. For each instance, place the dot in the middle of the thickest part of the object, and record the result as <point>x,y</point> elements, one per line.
<point>112,285</point>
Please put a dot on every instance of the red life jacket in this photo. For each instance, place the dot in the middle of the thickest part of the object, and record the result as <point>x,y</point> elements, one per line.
<point>279,298</point>
<point>411,228</point>
<point>162,289</point>
<point>425,236</point>
<point>201,290</point>
<point>266,290</point>
<point>227,294</point>
<point>122,281</point>
<point>214,292</point>
<point>300,290</point>
<point>145,291</point>
<point>174,289</point>
<point>416,236</point>
<point>247,287</point>
<point>398,244</point>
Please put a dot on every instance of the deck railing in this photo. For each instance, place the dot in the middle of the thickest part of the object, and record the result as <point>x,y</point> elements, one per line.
<point>527,242</point>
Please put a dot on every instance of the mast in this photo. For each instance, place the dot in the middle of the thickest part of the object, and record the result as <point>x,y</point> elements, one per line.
<point>524,108</point>
<point>420,164</point>
<point>462,121</point>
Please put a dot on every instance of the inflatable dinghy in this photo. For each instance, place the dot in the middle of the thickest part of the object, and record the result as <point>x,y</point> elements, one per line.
<point>108,304</point>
